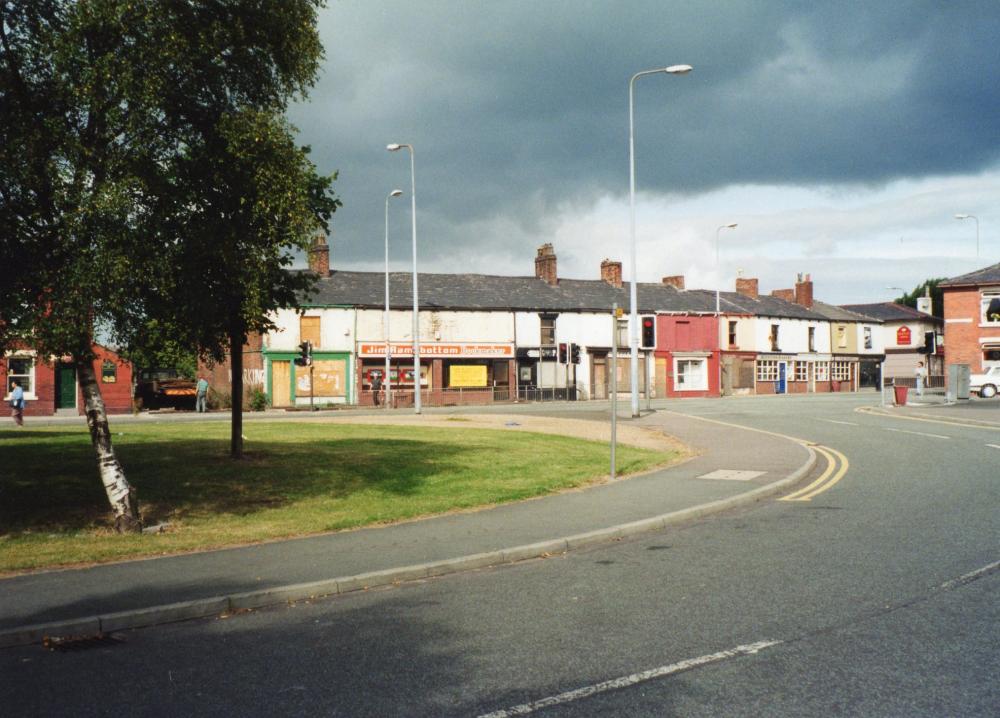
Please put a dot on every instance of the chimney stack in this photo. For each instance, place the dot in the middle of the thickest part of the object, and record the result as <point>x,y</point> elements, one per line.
<point>804,291</point>
<point>319,256</point>
<point>747,287</point>
<point>545,265</point>
<point>676,281</point>
<point>611,273</point>
<point>787,294</point>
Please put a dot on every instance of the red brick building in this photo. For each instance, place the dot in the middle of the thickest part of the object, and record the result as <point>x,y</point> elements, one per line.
<point>51,386</point>
<point>972,319</point>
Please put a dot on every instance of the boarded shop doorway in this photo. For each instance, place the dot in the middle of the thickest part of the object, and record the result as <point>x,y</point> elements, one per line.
<point>280,384</point>
<point>599,385</point>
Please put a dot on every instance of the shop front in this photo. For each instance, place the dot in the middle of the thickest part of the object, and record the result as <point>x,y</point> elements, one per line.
<point>450,373</point>
<point>325,381</point>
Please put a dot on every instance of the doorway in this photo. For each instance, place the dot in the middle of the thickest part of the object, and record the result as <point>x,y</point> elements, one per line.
<point>65,387</point>
<point>281,383</point>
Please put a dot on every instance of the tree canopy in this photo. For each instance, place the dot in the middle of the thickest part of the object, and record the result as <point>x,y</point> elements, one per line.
<point>937,296</point>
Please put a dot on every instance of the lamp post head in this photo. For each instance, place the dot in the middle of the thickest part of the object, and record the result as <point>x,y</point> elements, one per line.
<point>393,147</point>
<point>731,226</point>
<point>678,69</point>
<point>396,193</point>
<point>961,216</point>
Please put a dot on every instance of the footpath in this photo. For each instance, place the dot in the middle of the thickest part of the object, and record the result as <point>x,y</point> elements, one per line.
<point>732,467</point>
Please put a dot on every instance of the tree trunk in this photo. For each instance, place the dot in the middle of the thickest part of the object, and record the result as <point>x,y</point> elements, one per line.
<point>236,365</point>
<point>122,495</point>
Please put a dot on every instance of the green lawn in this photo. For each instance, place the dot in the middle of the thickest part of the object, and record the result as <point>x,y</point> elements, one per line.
<point>298,478</point>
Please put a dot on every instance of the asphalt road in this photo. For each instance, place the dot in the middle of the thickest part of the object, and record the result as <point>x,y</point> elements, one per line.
<point>879,596</point>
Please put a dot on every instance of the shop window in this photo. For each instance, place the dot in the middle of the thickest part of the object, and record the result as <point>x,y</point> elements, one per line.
<point>109,372</point>
<point>691,374</point>
<point>22,369</point>
<point>774,338</point>
<point>767,370</point>
<point>548,334</point>
<point>309,331</point>
<point>841,371</point>
<point>990,308</point>
<point>801,371</point>
<point>821,370</point>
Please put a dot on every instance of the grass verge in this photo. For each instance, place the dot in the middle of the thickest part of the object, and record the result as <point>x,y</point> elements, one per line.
<point>297,479</point>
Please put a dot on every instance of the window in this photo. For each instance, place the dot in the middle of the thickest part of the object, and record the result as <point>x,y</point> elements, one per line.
<point>767,370</point>
<point>812,339</point>
<point>548,323</point>
<point>309,331</point>
<point>841,371</point>
<point>691,374</point>
<point>841,336</point>
<point>821,370</point>
<point>801,371</point>
<point>991,308</point>
<point>22,369</point>
<point>109,372</point>
<point>732,333</point>
<point>868,337</point>
<point>774,338</point>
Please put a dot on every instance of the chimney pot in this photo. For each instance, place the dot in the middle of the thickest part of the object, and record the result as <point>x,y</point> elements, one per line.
<point>611,273</point>
<point>319,256</point>
<point>676,281</point>
<point>747,287</point>
<point>545,265</point>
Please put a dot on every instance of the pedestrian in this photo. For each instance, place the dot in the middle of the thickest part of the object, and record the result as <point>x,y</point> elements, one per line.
<point>202,395</point>
<point>376,386</point>
<point>17,402</point>
<point>920,372</point>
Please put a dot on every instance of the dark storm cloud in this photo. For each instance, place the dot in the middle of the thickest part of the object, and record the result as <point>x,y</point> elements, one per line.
<point>517,108</point>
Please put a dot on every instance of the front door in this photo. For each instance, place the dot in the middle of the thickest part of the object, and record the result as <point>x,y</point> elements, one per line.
<point>65,387</point>
<point>281,382</point>
<point>599,390</point>
<point>782,377</point>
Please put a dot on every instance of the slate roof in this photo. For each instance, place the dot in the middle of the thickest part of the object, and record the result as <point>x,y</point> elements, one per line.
<point>987,275</point>
<point>891,312</point>
<point>840,314</point>
<point>489,292</point>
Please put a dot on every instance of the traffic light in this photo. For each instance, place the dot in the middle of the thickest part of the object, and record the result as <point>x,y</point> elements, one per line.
<point>562,352</point>
<point>574,353</point>
<point>648,327</point>
<point>930,343</point>
<point>305,354</point>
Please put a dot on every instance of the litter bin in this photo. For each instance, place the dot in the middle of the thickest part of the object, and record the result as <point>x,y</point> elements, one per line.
<point>900,392</point>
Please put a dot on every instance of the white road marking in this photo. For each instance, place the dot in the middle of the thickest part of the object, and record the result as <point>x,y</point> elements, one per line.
<point>971,576</point>
<point>834,421</point>
<point>626,681</point>
<point>918,433</point>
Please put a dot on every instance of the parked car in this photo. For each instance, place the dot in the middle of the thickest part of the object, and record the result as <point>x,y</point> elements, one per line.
<point>987,383</point>
<point>165,388</point>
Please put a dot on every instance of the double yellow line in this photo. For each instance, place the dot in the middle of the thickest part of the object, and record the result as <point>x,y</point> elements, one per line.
<point>836,467</point>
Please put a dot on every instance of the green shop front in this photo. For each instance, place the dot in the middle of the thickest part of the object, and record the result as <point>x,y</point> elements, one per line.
<point>326,381</point>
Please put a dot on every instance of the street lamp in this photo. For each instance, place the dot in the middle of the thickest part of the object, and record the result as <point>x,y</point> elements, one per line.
<point>972,216</point>
<point>633,301</point>
<point>718,325</point>
<point>416,319</point>
<point>385,320</point>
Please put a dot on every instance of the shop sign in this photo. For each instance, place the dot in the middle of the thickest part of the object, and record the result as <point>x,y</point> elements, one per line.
<point>903,337</point>
<point>498,351</point>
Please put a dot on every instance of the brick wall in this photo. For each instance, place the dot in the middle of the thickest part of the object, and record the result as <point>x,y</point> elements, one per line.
<point>961,338</point>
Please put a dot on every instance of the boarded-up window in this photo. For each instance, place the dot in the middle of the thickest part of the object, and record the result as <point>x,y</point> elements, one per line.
<point>309,331</point>
<point>330,377</point>
<point>467,376</point>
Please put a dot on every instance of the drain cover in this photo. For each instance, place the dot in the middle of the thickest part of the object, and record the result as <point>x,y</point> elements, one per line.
<point>79,643</point>
<point>733,475</point>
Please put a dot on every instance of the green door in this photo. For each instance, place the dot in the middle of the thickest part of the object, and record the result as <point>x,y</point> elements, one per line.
<point>65,387</point>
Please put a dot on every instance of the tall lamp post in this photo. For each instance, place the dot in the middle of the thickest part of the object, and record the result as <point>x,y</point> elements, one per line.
<point>972,216</point>
<point>385,320</point>
<point>633,312</point>
<point>718,313</point>
<point>416,319</point>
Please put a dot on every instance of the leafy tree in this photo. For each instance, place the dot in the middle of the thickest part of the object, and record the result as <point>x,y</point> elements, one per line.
<point>937,296</point>
<point>112,111</point>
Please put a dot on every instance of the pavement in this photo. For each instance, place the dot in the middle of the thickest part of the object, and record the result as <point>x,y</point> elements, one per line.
<point>934,404</point>
<point>132,594</point>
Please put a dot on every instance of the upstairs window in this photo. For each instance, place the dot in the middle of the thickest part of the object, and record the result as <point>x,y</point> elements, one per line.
<point>309,331</point>
<point>548,334</point>
<point>841,336</point>
<point>732,333</point>
<point>774,338</point>
<point>812,339</point>
<point>990,308</point>
<point>868,337</point>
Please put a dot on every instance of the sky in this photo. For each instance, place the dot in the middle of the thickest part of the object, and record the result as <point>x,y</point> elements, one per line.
<point>841,138</point>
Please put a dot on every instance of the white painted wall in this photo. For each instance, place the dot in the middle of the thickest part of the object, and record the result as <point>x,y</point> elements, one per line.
<point>438,326</point>
<point>336,330</point>
<point>793,335</point>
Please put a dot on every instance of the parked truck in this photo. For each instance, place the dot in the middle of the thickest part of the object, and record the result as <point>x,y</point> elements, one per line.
<point>164,389</point>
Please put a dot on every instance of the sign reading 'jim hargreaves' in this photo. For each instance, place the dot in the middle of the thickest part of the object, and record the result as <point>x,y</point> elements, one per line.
<point>481,351</point>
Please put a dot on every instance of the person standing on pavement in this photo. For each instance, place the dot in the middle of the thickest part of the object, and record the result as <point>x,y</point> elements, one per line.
<point>376,386</point>
<point>202,395</point>
<point>920,372</point>
<point>17,402</point>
